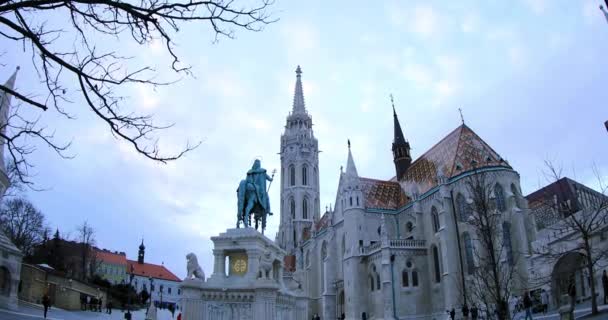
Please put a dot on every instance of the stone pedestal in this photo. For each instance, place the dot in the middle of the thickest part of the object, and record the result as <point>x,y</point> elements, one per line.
<point>251,289</point>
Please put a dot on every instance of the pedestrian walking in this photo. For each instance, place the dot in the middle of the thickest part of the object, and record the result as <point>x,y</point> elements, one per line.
<point>179,316</point>
<point>88,306</point>
<point>605,285</point>
<point>452,314</point>
<point>465,312</point>
<point>544,297</point>
<point>109,305</point>
<point>46,303</point>
<point>572,294</point>
<point>528,306</point>
<point>363,316</point>
<point>99,304</point>
<point>343,316</point>
<point>474,312</point>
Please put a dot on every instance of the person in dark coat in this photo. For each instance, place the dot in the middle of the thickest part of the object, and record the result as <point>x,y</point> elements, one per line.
<point>46,302</point>
<point>528,306</point>
<point>474,312</point>
<point>452,313</point>
<point>605,285</point>
<point>572,294</point>
<point>465,312</point>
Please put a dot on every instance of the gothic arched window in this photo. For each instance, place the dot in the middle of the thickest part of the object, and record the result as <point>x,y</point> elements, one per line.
<point>343,243</point>
<point>506,235</point>
<point>409,226</point>
<point>304,175</point>
<point>415,278</point>
<point>468,248</point>
<point>500,198</point>
<point>307,258</point>
<point>377,281</point>
<point>462,207</point>
<point>292,208</point>
<point>305,208</point>
<point>436,264</point>
<point>435,217</point>
<point>292,175</point>
<point>515,194</point>
<point>371,283</point>
<point>405,280</point>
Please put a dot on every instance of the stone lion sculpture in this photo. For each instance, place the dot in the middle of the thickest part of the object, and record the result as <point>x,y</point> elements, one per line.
<point>194,269</point>
<point>266,266</point>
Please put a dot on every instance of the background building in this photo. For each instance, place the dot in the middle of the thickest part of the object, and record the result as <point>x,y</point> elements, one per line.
<point>112,266</point>
<point>158,281</point>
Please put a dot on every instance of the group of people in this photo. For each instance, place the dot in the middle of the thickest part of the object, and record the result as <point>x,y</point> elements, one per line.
<point>92,304</point>
<point>473,311</point>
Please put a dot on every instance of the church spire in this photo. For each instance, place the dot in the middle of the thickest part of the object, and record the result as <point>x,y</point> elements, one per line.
<point>5,106</point>
<point>298,96</point>
<point>351,169</point>
<point>401,147</point>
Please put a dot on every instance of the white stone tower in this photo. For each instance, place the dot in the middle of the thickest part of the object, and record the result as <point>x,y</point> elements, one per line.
<point>299,175</point>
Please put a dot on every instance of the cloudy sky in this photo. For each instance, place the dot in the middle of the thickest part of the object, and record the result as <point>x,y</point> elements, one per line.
<point>530,76</point>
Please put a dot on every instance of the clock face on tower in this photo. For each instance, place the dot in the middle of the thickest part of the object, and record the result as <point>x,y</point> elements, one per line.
<point>239,266</point>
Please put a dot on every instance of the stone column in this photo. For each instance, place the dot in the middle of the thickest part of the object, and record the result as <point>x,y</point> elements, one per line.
<point>219,264</point>
<point>387,281</point>
<point>253,259</point>
<point>329,292</point>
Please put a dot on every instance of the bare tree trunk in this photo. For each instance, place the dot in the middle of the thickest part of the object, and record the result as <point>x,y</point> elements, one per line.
<point>589,260</point>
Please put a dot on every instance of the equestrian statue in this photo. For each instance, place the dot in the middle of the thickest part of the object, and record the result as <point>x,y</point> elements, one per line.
<point>253,197</point>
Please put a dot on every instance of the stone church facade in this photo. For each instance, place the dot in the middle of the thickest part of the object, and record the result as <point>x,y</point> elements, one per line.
<point>390,248</point>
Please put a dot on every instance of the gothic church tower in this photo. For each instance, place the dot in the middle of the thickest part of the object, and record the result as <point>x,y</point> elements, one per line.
<point>299,175</point>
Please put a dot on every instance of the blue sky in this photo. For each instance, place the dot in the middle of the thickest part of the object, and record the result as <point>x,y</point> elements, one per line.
<point>530,76</point>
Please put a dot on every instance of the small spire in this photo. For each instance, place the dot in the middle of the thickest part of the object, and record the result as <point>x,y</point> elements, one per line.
<point>351,169</point>
<point>393,103</point>
<point>461,116</point>
<point>604,11</point>
<point>298,96</point>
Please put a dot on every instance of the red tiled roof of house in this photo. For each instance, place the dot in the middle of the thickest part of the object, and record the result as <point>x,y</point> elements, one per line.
<point>151,270</point>
<point>112,258</point>
<point>383,194</point>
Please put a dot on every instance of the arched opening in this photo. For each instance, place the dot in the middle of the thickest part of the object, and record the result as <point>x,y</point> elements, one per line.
<point>468,247</point>
<point>307,258</point>
<point>405,280</point>
<point>341,303</point>
<point>292,208</point>
<point>415,278</point>
<point>371,283</point>
<point>436,266</point>
<point>305,208</point>
<point>304,175</point>
<point>435,217</point>
<point>409,227</point>
<point>377,281</point>
<point>292,175</point>
<point>5,281</point>
<point>569,268</point>
<point>324,250</point>
<point>499,195</point>
<point>515,193</point>
<point>343,243</point>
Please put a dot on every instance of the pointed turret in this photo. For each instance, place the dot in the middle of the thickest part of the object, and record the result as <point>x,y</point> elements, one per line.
<point>141,253</point>
<point>351,169</point>
<point>401,147</point>
<point>298,96</point>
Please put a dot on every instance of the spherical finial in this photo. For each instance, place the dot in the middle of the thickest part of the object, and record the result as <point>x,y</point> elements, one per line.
<point>18,67</point>
<point>298,70</point>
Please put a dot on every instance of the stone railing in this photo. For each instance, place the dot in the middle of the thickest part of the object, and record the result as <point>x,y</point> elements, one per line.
<point>407,244</point>
<point>395,244</point>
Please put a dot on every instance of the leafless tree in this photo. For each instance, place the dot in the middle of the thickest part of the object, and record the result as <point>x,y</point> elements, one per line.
<point>86,241</point>
<point>490,261</point>
<point>72,67</point>
<point>23,223</point>
<point>579,223</point>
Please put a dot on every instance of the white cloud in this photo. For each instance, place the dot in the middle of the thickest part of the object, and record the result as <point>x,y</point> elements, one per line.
<point>470,23</point>
<point>537,6</point>
<point>419,74</point>
<point>517,55</point>
<point>425,21</point>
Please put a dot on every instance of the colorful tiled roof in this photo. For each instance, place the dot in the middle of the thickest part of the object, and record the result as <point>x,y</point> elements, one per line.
<point>151,270</point>
<point>289,263</point>
<point>383,194</point>
<point>111,257</point>
<point>323,222</point>
<point>458,152</point>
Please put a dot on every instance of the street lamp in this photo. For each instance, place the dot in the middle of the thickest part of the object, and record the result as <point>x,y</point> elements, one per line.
<point>128,314</point>
<point>151,288</point>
